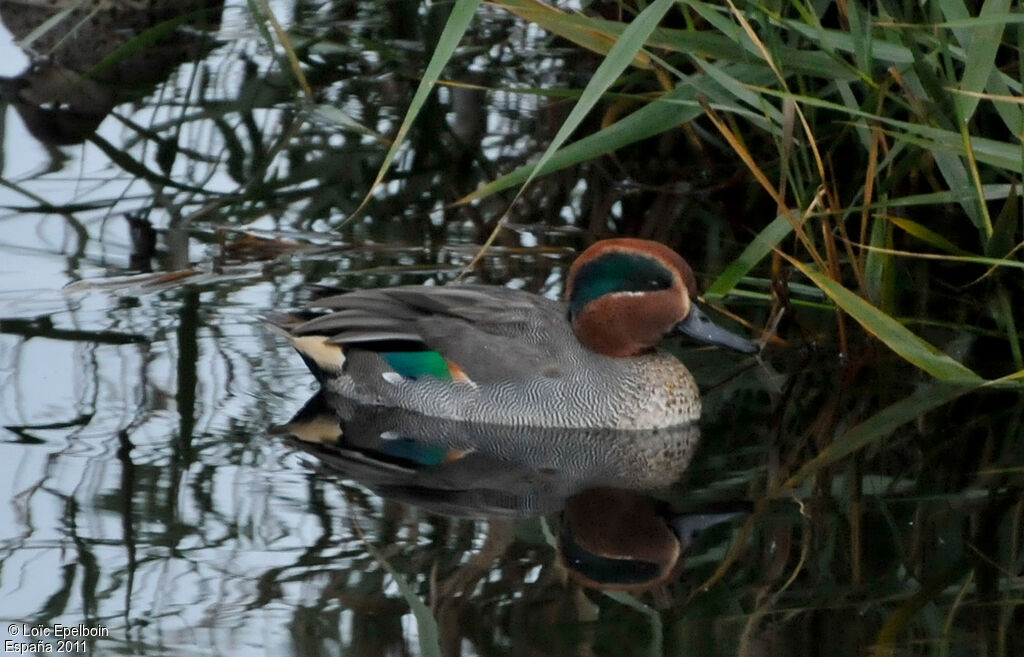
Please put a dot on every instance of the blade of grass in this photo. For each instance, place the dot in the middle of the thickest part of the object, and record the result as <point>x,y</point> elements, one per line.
<point>767,56</point>
<point>958,19</point>
<point>651,120</point>
<point>628,130</point>
<point>660,114</point>
<point>778,195</point>
<point>608,71</point>
<point>869,188</point>
<point>657,632</point>
<point>1004,318</point>
<point>458,21</point>
<point>721,47</point>
<point>1005,227</point>
<point>336,116</point>
<point>428,634</point>
<point>947,625</point>
<point>860,31</point>
<point>878,426</point>
<point>841,41</point>
<point>893,334</point>
<point>1007,105</point>
<point>289,50</point>
<point>739,89</point>
<point>1004,155</point>
<point>618,59</point>
<point>991,192</point>
<point>878,264</point>
<point>897,622</point>
<point>674,108</point>
<point>756,251</point>
<point>592,35</point>
<point>973,259</point>
<point>748,159</point>
<point>981,55</point>
<point>927,235</point>
<point>984,220</point>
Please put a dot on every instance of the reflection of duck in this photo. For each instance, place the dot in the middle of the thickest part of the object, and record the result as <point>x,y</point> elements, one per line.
<point>507,357</point>
<point>620,539</point>
<point>469,468</point>
<point>612,536</point>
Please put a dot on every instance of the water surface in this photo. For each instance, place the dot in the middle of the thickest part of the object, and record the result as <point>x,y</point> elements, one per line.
<point>146,485</point>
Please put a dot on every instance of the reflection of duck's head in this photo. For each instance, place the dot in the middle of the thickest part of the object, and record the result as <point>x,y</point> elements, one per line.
<point>622,540</point>
<point>508,357</point>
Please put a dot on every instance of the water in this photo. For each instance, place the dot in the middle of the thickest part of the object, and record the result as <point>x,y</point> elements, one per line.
<point>149,492</point>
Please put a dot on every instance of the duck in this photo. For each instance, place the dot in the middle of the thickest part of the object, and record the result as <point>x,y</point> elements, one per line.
<point>496,355</point>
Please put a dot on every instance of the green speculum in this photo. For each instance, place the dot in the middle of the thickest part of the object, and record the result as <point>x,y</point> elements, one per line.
<point>415,364</point>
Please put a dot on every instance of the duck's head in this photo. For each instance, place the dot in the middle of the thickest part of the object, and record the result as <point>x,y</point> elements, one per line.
<point>625,295</point>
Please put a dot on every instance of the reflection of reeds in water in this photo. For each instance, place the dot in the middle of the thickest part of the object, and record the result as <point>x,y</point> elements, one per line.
<point>94,56</point>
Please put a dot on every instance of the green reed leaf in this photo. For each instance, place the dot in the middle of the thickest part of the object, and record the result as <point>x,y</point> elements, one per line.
<point>426,624</point>
<point>893,334</point>
<point>981,55</point>
<point>621,55</point>
<point>593,35</point>
<point>1001,241</point>
<point>926,235</point>
<point>672,109</point>
<point>755,252</point>
<point>878,264</point>
<point>878,426</point>
<point>458,21</point>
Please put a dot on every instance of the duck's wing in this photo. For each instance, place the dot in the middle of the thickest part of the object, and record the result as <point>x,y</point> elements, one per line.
<point>482,333</point>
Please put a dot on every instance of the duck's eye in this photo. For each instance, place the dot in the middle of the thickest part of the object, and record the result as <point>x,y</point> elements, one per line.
<point>657,284</point>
